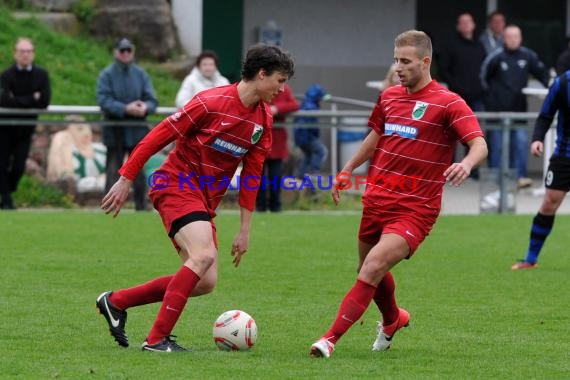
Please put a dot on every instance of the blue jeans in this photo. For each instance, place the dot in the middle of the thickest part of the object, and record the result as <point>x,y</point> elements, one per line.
<point>518,150</point>
<point>314,154</point>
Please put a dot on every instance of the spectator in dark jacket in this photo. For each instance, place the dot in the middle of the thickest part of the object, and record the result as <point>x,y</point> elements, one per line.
<point>460,63</point>
<point>504,74</point>
<point>23,85</point>
<point>125,92</point>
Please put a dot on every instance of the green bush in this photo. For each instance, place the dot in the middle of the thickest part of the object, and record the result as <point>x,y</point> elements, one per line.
<point>73,63</point>
<point>32,192</point>
<point>84,10</point>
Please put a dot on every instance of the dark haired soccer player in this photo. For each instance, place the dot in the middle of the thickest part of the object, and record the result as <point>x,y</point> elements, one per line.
<point>415,126</point>
<point>214,132</point>
<point>557,179</point>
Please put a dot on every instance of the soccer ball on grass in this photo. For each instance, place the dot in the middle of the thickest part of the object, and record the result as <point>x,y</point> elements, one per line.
<point>235,330</point>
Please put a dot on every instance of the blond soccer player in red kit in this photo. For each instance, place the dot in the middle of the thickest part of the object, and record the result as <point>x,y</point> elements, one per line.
<point>415,126</point>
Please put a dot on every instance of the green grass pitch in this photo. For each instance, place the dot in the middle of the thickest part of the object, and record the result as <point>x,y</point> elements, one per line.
<point>472,317</point>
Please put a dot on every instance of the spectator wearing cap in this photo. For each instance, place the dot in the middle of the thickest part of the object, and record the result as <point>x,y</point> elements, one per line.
<point>125,93</point>
<point>203,76</point>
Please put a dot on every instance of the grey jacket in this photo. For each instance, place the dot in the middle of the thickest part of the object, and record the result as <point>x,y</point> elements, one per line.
<point>119,84</point>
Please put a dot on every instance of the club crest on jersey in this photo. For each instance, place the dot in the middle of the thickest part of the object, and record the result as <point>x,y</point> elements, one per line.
<point>257,132</point>
<point>419,110</point>
<point>175,117</point>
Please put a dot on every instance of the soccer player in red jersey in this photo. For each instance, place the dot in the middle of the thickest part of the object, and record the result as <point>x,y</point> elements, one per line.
<point>415,126</point>
<point>214,132</point>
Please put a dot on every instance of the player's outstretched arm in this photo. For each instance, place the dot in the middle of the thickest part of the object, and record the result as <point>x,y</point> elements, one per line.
<point>241,241</point>
<point>459,171</point>
<point>116,197</point>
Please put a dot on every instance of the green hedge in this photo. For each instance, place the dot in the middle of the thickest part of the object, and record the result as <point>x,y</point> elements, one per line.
<point>73,63</point>
<point>32,192</point>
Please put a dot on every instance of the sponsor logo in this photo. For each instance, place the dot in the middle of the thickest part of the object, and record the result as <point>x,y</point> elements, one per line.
<point>409,233</point>
<point>225,123</point>
<point>400,130</point>
<point>419,110</point>
<point>228,147</point>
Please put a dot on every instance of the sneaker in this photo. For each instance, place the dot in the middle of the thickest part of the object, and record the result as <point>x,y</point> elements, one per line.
<point>386,333</point>
<point>524,182</point>
<point>521,264</point>
<point>322,348</point>
<point>116,318</point>
<point>166,345</point>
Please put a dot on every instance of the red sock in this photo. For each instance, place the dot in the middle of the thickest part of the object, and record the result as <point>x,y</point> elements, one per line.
<point>175,298</point>
<point>385,299</point>
<point>351,309</point>
<point>149,292</point>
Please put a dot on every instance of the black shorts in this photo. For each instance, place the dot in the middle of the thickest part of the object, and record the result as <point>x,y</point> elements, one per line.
<point>558,174</point>
<point>187,219</point>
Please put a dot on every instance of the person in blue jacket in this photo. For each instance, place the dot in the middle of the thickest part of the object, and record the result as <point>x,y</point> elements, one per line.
<point>307,138</point>
<point>125,92</point>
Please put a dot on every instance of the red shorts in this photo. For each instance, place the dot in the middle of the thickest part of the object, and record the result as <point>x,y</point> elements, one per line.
<point>173,204</point>
<point>375,223</point>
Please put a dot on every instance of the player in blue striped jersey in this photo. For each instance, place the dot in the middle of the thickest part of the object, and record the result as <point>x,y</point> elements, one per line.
<point>557,179</point>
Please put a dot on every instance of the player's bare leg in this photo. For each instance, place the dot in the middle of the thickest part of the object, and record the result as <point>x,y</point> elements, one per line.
<point>198,253</point>
<point>208,281</point>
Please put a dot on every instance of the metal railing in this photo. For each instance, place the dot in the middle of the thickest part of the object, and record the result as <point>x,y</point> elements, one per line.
<point>331,119</point>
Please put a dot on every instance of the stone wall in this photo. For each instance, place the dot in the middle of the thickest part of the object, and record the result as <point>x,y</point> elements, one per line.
<point>148,23</point>
<point>53,5</point>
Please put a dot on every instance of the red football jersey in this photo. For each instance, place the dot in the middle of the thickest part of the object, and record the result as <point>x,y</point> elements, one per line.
<point>418,133</point>
<point>214,132</point>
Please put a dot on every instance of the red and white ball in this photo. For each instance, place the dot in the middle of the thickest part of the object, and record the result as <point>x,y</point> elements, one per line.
<point>235,330</point>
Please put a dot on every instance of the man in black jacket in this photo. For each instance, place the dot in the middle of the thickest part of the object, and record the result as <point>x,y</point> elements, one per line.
<point>23,85</point>
<point>460,62</point>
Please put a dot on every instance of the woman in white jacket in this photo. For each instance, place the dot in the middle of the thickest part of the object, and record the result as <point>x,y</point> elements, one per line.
<point>203,76</point>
